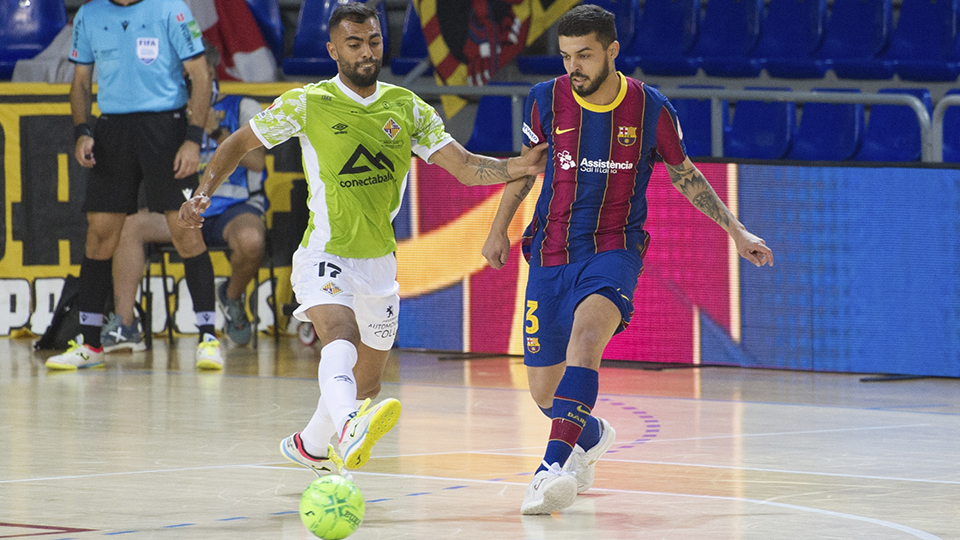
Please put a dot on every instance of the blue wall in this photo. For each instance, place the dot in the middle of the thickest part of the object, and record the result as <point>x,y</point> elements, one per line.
<point>867,275</point>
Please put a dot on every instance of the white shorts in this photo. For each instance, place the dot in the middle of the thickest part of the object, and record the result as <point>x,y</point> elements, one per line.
<point>367,286</point>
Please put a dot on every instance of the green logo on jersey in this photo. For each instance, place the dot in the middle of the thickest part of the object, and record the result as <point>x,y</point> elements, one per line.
<point>195,31</point>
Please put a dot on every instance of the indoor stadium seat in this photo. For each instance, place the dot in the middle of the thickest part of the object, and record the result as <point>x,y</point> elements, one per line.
<point>857,34</point>
<point>666,34</point>
<point>310,57</point>
<point>827,131</point>
<point>893,131</point>
<point>951,132</point>
<point>267,15</point>
<point>792,33</point>
<point>627,12</point>
<point>761,130</point>
<point>493,126</point>
<point>923,44</point>
<point>729,34</point>
<point>26,28</point>
<point>694,117</point>
<point>413,45</point>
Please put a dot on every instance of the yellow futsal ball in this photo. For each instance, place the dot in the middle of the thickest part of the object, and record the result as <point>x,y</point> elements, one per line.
<point>332,507</point>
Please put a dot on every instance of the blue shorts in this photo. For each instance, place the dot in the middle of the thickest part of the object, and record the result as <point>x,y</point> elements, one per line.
<point>213,226</point>
<point>554,292</point>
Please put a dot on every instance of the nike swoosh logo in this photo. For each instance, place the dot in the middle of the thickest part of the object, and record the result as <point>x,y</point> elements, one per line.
<point>562,131</point>
<point>581,409</point>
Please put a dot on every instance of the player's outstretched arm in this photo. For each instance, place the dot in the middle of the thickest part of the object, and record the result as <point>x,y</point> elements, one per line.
<point>496,249</point>
<point>476,170</point>
<point>221,166</point>
<point>691,183</point>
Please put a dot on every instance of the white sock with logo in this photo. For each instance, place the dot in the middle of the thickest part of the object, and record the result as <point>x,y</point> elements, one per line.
<point>338,389</point>
<point>316,436</point>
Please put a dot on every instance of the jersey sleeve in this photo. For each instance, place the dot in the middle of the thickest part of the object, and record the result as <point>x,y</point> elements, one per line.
<point>669,136</point>
<point>532,128</point>
<point>183,31</point>
<point>285,118</point>
<point>80,51</point>
<point>429,133</point>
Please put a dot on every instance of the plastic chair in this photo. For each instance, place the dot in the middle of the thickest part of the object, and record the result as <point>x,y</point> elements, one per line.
<point>761,130</point>
<point>627,12</point>
<point>26,29</point>
<point>493,126</point>
<point>792,33</point>
<point>857,34</point>
<point>728,38</point>
<point>951,132</point>
<point>413,45</point>
<point>694,117</point>
<point>267,15</point>
<point>828,132</point>
<point>893,132</point>
<point>923,45</point>
<point>310,56</point>
<point>665,37</point>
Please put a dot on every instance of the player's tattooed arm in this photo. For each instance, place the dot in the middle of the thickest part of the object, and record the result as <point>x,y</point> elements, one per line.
<point>691,182</point>
<point>476,170</point>
<point>525,188</point>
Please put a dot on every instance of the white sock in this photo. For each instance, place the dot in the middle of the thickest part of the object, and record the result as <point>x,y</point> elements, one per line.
<point>338,389</point>
<point>316,436</point>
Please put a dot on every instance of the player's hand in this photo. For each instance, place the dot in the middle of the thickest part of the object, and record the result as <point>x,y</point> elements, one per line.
<point>530,163</point>
<point>753,249</point>
<point>496,249</point>
<point>84,151</point>
<point>187,160</point>
<point>189,217</point>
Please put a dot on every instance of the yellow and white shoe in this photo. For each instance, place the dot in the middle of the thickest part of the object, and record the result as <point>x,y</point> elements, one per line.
<point>363,431</point>
<point>208,353</point>
<point>78,355</point>
<point>292,449</point>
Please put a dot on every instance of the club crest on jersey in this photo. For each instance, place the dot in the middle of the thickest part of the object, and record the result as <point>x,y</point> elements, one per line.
<point>391,128</point>
<point>533,345</point>
<point>627,135</point>
<point>148,49</point>
<point>332,289</point>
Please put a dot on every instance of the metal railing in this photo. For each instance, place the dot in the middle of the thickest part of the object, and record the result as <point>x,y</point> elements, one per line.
<point>931,130</point>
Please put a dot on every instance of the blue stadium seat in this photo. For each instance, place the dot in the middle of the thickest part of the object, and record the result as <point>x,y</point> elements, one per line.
<point>310,57</point>
<point>828,132</point>
<point>627,13</point>
<point>493,126</point>
<point>666,34</point>
<point>923,46</point>
<point>413,45</point>
<point>26,29</point>
<point>857,34</point>
<point>761,130</point>
<point>728,38</point>
<point>694,117</point>
<point>792,33</point>
<point>267,14</point>
<point>893,132</point>
<point>951,132</point>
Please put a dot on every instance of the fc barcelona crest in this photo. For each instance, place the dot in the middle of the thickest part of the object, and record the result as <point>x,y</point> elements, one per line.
<point>627,135</point>
<point>533,344</point>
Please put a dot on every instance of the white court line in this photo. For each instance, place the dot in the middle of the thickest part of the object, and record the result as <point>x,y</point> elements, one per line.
<point>883,523</point>
<point>781,433</point>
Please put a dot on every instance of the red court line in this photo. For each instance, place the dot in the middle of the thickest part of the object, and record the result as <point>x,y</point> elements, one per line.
<point>49,530</point>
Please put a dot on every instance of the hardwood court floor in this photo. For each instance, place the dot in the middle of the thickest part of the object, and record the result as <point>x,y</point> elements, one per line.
<point>149,448</point>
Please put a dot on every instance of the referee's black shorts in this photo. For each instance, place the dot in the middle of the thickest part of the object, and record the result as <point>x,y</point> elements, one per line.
<point>130,148</point>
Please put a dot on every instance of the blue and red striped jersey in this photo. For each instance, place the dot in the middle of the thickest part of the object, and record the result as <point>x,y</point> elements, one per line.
<point>594,187</point>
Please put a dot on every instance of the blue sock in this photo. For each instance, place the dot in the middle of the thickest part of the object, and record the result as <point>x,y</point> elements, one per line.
<point>576,395</point>
<point>547,412</point>
<point>590,435</point>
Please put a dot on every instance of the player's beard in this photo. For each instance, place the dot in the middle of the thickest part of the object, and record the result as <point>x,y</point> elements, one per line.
<point>361,80</point>
<point>593,83</point>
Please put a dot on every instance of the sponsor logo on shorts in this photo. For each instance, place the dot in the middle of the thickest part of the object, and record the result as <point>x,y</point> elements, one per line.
<point>533,345</point>
<point>386,329</point>
<point>332,289</point>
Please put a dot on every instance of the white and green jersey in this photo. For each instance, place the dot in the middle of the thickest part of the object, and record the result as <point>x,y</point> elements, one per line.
<point>356,156</point>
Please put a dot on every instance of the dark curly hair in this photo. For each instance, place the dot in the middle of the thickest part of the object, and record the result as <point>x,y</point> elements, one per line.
<point>586,19</point>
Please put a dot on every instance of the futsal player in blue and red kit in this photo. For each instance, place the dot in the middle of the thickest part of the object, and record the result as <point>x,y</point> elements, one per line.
<point>586,242</point>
